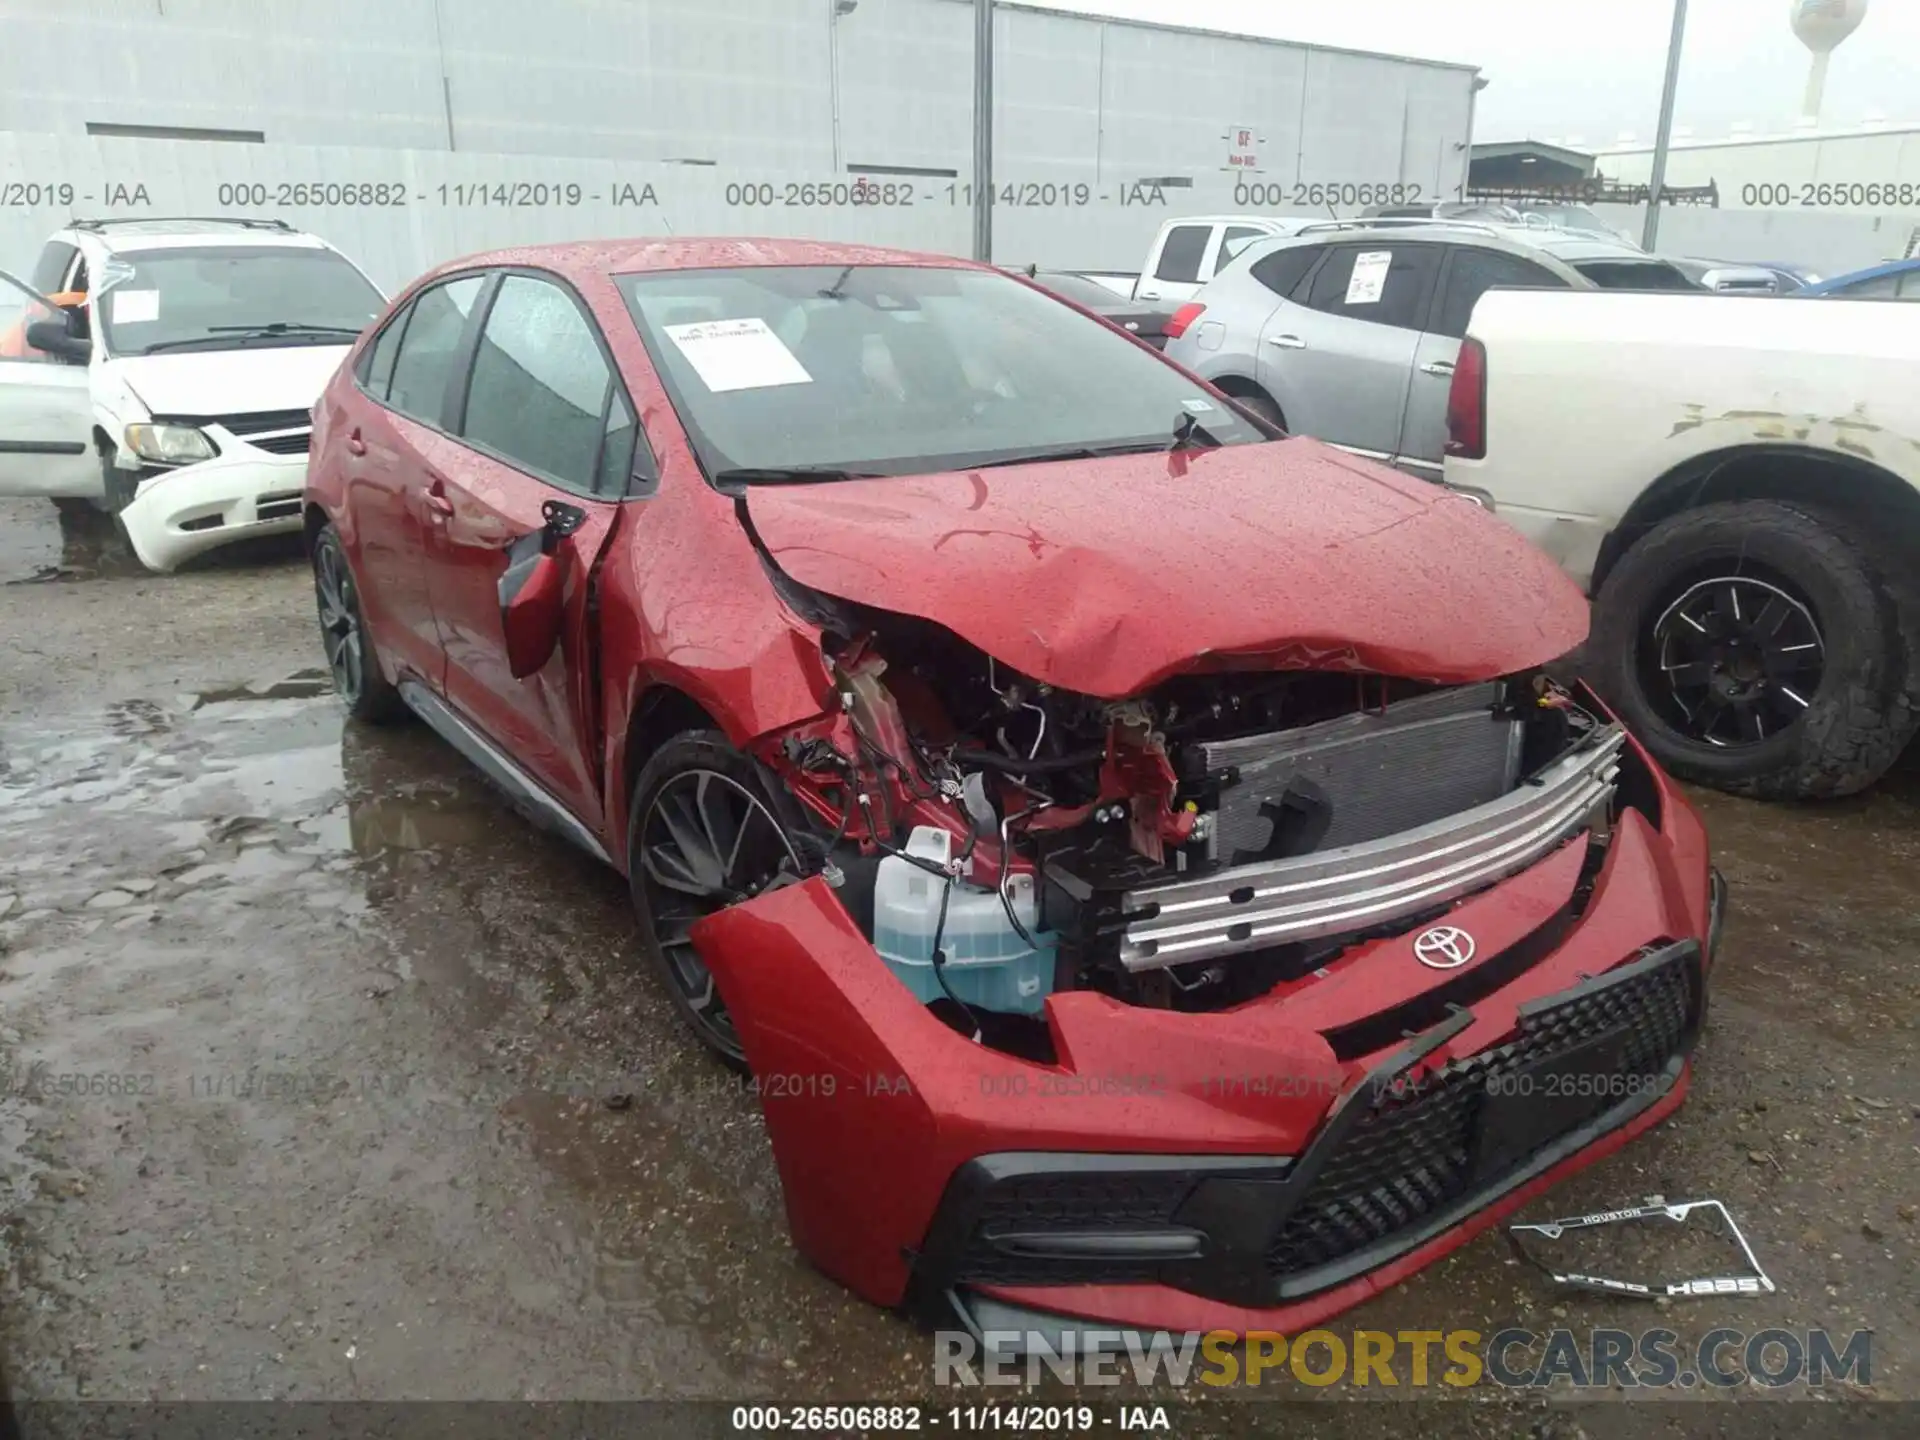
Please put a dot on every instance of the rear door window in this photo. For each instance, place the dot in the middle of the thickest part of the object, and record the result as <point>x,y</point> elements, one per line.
<point>1180,257</point>
<point>429,351</point>
<point>1472,272</point>
<point>1384,284</point>
<point>376,364</point>
<point>1283,270</point>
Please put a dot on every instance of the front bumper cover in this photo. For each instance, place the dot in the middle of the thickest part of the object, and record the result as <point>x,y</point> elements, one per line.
<point>184,512</point>
<point>1125,1181</point>
<point>1398,1162</point>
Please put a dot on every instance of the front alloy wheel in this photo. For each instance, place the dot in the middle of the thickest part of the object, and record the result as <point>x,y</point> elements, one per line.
<point>704,838</point>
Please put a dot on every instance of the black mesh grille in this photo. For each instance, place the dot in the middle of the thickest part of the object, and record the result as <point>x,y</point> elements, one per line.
<point>261,421</point>
<point>1116,1201</point>
<point>296,444</point>
<point>1415,1151</point>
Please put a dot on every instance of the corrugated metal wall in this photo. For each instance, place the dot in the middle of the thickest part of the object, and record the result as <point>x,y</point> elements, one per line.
<point>1865,164</point>
<point>599,92</point>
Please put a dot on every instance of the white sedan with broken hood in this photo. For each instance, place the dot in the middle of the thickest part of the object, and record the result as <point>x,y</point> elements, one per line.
<point>169,377</point>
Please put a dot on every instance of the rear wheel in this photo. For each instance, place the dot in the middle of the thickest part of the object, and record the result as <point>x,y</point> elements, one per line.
<point>704,833</point>
<point>351,657</point>
<point>1756,647</point>
<point>1264,407</point>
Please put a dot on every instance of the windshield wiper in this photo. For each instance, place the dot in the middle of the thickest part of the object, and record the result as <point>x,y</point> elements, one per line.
<point>284,327</point>
<point>1069,452</point>
<point>215,334</point>
<point>786,475</point>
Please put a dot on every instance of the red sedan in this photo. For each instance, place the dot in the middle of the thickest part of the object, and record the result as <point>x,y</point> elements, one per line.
<point>1140,855</point>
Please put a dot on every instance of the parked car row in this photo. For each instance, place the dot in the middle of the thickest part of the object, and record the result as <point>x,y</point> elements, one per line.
<point>1736,677</point>
<point>972,696</point>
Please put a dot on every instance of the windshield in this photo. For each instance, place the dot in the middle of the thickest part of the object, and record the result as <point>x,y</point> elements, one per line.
<point>900,370</point>
<point>228,297</point>
<point>1634,275</point>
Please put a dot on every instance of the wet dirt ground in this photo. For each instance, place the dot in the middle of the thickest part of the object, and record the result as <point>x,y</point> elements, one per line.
<point>328,1077</point>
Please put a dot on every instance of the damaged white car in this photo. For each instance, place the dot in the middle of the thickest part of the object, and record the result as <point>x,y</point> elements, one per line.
<point>165,371</point>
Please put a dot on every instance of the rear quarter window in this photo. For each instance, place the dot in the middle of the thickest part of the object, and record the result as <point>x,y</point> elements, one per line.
<point>1283,270</point>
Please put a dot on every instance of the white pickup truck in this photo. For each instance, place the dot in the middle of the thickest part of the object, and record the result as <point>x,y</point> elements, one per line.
<point>1737,484</point>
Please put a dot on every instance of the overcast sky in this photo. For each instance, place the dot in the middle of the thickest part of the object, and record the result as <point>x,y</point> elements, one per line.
<point>1593,71</point>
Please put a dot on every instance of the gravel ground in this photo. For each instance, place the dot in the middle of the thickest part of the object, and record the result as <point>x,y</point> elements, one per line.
<point>424,1191</point>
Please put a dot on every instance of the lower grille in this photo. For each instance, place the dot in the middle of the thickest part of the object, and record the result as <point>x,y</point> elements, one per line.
<point>1079,1203</point>
<point>1390,1170</point>
<point>281,505</point>
<point>1420,1148</point>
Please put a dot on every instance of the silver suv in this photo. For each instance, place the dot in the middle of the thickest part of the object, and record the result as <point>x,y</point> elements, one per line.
<point>1348,331</point>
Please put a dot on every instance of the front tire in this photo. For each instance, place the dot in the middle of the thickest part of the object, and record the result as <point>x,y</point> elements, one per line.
<point>704,832</point>
<point>351,657</point>
<point>1755,647</point>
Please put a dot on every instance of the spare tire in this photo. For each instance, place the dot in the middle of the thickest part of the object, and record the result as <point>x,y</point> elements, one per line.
<point>1755,646</point>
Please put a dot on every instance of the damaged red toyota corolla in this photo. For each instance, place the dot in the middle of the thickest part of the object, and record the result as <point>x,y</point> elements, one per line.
<point>1141,854</point>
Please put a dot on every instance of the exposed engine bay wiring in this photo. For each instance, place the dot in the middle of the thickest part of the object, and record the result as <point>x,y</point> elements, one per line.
<point>1054,805</point>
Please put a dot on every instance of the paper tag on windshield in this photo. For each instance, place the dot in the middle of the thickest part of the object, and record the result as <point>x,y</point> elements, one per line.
<point>737,355</point>
<point>135,307</point>
<point>1369,277</point>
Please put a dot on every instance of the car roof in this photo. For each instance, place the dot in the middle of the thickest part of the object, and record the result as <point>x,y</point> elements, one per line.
<point>1872,272</point>
<point>127,236</point>
<point>1567,246</point>
<point>585,259</point>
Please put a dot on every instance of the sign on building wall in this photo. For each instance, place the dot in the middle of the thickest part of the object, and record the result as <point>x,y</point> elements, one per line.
<point>1243,149</point>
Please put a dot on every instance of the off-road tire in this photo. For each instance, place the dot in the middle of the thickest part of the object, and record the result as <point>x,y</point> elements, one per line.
<point>1862,714</point>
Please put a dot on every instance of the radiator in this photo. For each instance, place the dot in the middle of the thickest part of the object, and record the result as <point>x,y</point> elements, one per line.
<point>1418,761</point>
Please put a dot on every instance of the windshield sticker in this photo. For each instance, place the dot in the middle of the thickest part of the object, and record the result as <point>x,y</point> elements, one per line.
<point>1369,277</point>
<point>135,307</point>
<point>737,355</point>
<point>1197,407</point>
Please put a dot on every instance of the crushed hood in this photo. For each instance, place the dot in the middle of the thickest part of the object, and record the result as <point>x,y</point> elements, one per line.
<point>1106,576</point>
<point>232,382</point>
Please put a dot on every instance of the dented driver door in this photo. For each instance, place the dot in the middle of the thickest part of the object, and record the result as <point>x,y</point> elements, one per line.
<point>546,437</point>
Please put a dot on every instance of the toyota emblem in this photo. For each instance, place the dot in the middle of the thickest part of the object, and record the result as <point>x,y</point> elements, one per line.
<point>1444,947</point>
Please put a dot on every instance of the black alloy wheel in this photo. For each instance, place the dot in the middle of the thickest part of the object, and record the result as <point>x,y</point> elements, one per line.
<point>1759,646</point>
<point>351,658</point>
<point>1739,657</point>
<point>704,838</point>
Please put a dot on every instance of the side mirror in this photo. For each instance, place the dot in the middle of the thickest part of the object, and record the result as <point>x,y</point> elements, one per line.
<point>533,588</point>
<point>57,337</point>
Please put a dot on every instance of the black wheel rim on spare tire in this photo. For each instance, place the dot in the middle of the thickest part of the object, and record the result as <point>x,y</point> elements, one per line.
<point>707,842</point>
<point>339,619</point>
<point>1733,660</point>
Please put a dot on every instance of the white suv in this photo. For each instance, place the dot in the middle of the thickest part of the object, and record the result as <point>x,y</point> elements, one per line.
<point>165,370</point>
